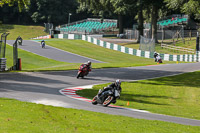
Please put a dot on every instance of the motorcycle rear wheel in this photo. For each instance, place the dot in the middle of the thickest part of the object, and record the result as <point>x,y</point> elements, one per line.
<point>108,101</point>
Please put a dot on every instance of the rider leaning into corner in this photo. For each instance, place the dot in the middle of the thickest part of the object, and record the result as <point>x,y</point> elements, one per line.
<point>43,44</point>
<point>89,66</point>
<point>156,56</point>
<point>112,87</point>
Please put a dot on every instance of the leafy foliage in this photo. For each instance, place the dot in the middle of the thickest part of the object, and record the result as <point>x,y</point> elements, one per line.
<point>21,3</point>
<point>51,10</point>
<point>190,7</point>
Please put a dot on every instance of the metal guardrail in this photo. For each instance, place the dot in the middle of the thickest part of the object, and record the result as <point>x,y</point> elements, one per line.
<point>176,48</point>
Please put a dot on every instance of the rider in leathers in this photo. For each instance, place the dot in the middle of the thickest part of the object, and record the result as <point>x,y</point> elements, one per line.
<point>112,87</point>
<point>89,67</point>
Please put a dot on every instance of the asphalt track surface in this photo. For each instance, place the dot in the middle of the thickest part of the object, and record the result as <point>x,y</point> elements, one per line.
<point>43,87</point>
<point>51,52</point>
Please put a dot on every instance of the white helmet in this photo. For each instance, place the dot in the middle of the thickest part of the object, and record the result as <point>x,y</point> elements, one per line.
<point>117,82</point>
<point>89,62</point>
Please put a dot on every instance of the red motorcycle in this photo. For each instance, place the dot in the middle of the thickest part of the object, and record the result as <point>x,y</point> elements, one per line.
<point>83,71</point>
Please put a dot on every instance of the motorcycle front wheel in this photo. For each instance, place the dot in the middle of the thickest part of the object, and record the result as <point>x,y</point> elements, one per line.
<point>94,100</point>
<point>78,75</point>
<point>108,101</point>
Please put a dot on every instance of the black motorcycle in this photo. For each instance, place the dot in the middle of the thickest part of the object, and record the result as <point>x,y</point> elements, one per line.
<point>43,44</point>
<point>106,97</point>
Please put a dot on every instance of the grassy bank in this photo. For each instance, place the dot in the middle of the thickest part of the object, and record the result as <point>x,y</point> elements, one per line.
<point>189,43</point>
<point>33,62</point>
<point>110,57</point>
<point>26,32</point>
<point>23,117</point>
<point>175,95</point>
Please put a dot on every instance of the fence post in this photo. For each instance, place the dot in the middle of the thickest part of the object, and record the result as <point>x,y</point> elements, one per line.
<point>15,55</point>
<point>3,51</point>
<point>197,42</point>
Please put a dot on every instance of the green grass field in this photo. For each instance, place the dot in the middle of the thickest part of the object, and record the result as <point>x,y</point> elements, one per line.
<point>175,95</point>
<point>188,44</point>
<point>110,57</point>
<point>33,62</point>
<point>26,32</point>
<point>23,117</point>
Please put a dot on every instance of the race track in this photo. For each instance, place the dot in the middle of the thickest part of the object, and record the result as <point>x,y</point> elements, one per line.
<point>52,53</point>
<point>43,87</point>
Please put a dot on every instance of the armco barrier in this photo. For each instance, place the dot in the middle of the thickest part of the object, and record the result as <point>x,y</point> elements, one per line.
<point>42,37</point>
<point>146,54</point>
<point>68,36</point>
<point>140,53</point>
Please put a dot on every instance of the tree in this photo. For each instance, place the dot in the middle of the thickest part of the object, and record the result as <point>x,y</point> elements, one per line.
<point>156,5</point>
<point>189,7</point>
<point>121,8</point>
<point>151,9</point>
<point>21,3</point>
<point>140,19</point>
<point>106,8</point>
<point>52,11</point>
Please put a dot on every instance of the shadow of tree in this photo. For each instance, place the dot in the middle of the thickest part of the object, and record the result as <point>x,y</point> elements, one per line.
<point>90,93</point>
<point>143,98</point>
<point>31,83</point>
<point>187,79</point>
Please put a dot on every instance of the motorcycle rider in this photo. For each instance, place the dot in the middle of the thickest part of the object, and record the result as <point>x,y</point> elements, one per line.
<point>158,57</point>
<point>19,40</point>
<point>89,66</point>
<point>112,87</point>
<point>43,43</point>
<point>155,55</point>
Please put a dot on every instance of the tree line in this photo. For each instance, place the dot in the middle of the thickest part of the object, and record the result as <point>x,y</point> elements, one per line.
<point>126,11</point>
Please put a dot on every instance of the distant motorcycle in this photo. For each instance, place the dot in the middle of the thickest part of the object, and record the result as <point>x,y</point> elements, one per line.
<point>83,71</point>
<point>159,59</point>
<point>19,42</point>
<point>43,44</point>
<point>106,97</point>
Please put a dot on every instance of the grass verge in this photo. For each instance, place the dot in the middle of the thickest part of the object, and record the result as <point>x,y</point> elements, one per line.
<point>23,117</point>
<point>33,62</point>
<point>26,32</point>
<point>110,57</point>
<point>175,95</point>
<point>189,43</point>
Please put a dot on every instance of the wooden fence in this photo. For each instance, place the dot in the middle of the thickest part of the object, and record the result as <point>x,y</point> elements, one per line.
<point>178,49</point>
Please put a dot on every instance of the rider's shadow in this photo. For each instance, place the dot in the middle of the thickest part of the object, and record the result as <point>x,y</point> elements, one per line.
<point>92,79</point>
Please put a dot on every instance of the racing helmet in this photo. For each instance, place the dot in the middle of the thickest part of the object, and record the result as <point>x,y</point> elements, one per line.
<point>117,82</point>
<point>89,62</point>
